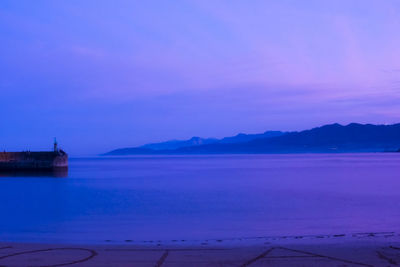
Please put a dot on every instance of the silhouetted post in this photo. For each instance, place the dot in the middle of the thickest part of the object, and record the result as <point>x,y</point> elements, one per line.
<point>55,145</point>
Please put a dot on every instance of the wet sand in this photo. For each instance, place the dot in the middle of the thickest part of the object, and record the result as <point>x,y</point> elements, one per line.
<point>358,249</point>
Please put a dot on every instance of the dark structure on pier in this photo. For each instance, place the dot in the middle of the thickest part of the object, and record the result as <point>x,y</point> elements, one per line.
<point>31,161</point>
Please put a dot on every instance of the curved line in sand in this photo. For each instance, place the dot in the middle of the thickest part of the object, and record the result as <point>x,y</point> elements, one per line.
<point>92,254</point>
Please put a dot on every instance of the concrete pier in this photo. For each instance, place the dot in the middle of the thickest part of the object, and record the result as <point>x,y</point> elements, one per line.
<point>33,160</point>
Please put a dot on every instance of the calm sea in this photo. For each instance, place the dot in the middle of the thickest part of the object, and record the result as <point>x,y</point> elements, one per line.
<point>204,197</point>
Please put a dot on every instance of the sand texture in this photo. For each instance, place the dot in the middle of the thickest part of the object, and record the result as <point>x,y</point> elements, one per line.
<point>364,249</point>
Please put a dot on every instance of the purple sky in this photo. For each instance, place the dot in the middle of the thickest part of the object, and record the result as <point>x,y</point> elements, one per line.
<point>106,74</point>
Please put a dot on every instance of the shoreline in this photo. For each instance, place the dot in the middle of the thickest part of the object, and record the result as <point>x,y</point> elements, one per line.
<point>227,241</point>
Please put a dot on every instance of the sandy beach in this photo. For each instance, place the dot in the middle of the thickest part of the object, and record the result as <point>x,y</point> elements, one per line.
<point>359,249</point>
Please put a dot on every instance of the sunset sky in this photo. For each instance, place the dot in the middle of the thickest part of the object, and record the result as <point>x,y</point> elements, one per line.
<point>99,75</point>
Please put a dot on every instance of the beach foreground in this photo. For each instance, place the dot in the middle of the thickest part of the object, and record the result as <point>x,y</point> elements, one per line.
<point>361,249</point>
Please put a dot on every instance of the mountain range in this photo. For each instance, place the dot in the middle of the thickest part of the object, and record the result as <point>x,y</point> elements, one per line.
<point>332,138</point>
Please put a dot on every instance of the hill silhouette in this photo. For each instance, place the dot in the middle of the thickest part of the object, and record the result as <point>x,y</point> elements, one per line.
<point>332,138</point>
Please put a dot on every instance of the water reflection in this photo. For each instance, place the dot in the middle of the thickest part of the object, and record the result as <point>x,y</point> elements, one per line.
<point>55,173</point>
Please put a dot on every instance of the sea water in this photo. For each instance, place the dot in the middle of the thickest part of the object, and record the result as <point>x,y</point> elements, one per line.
<point>203,197</point>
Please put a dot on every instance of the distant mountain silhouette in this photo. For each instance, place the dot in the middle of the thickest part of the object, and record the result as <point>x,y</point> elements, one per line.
<point>241,138</point>
<point>174,144</point>
<point>194,141</point>
<point>333,138</point>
